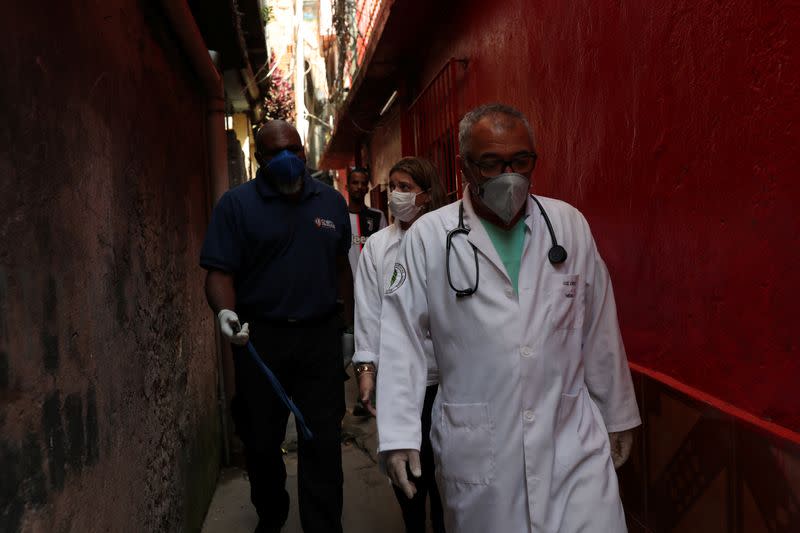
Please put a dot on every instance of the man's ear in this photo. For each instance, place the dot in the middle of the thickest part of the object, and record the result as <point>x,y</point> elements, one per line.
<point>460,163</point>
<point>466,171</point>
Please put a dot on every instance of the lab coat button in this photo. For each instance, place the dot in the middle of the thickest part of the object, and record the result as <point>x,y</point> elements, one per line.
<point>526,351</point>
<point>510,293</point>
<point>529,416</point>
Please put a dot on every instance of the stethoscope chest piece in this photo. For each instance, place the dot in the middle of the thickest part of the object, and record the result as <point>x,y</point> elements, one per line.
<point>557,254</point>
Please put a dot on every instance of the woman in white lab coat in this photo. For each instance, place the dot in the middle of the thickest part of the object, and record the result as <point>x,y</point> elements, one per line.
<point>414,189</point>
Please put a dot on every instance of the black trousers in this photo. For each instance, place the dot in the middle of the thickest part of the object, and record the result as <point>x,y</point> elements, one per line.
<point>414,509</point>
<point>307,360</point>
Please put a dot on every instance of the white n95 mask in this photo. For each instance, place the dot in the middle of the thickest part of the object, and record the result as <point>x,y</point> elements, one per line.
<point>505,194</point>
<point>403,205</point>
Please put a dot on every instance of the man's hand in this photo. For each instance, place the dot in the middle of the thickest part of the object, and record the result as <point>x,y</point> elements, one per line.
<point>621,444</point>
<point>231,329</point>
<point>396,462</point>
<point>366,386</point>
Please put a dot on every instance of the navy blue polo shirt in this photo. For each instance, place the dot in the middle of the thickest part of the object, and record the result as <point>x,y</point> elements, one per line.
<point>281,253</point>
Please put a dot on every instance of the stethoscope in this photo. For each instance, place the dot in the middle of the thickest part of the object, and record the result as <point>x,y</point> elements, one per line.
<point>556,255</point>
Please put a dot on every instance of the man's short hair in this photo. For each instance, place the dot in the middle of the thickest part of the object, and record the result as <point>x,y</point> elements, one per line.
<point>486,110</point>
<point>360,170</point>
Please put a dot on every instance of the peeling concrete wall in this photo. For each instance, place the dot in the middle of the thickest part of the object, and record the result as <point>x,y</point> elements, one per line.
<point>108,415</point>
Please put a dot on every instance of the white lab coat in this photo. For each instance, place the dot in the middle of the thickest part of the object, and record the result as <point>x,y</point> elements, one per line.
<point>372,278</point>
<point>529,384</point>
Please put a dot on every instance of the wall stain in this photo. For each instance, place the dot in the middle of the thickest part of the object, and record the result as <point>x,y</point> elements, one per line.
<point>51,355</point>
<point>50,330</point>
<point>11,506</point>
<point>4,371</point>
<point>22,480</point>
<point>5,366</point>
<point>34,479</point>
<point>92,428</point>
<point>3,307</point>
<point>74,348</point>
<point>54,440</point>
<point>76,439</point>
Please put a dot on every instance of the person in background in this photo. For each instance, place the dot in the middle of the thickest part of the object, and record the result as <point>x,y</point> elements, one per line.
<point>364,222</point>
<point>536,405</point>
<point>276,285</point>
<point>414,189</point>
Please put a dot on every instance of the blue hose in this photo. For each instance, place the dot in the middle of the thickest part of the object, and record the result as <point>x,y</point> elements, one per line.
<point>279,390</point>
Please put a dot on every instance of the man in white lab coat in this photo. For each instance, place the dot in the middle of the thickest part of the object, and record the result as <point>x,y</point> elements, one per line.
<point>536,403</point>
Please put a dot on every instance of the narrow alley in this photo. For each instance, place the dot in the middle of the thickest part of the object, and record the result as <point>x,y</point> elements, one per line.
<point>368,501</point>
<point>552,243</point>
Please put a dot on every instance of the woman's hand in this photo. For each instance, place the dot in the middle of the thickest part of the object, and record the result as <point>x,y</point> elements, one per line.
<point>366,386</point>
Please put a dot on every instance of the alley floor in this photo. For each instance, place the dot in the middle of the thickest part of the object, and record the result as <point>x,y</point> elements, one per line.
<point>369,503</point>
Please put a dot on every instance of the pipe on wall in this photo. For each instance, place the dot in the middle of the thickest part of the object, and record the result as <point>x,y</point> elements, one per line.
<point>180,18</point>
<point>182,21</point>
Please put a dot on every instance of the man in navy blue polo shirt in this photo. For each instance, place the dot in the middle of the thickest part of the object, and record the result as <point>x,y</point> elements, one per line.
<point>276,255</point>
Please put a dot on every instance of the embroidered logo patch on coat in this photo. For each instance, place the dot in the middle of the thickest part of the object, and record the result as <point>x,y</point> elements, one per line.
<point>398,278</point>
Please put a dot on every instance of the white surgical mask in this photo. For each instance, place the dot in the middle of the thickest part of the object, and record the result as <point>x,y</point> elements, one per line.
<point>505,194</point>
<point>403,205</point>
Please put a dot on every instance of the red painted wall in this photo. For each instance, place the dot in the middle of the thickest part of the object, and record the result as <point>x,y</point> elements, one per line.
<point>384,147</point>
<point>672,126</point>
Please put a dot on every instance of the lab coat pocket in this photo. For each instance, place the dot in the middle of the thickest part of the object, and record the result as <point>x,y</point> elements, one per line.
<point>578,433</point>
<point>566,301</point>
<point>467,443</point>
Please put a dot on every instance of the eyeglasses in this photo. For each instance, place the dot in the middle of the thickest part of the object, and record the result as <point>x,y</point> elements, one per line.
<point>295,149</point>
<point>492,166</point>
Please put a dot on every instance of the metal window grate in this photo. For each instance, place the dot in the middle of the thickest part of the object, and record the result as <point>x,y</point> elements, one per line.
<point>432,124</point>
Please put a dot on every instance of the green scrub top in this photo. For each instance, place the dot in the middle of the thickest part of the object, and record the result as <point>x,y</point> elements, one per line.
<point>508,244</point>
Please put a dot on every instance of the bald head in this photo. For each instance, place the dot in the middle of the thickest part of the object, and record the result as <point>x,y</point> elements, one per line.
<point>497,117</point>
<point>274,137</point>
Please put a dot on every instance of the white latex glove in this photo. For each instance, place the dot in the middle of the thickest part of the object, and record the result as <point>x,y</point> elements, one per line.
<point>396,461</point>
<point>621,444</point>
<point>231,329</point>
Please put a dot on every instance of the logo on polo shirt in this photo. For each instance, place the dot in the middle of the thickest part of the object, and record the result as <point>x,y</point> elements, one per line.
<point>324,223</point>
